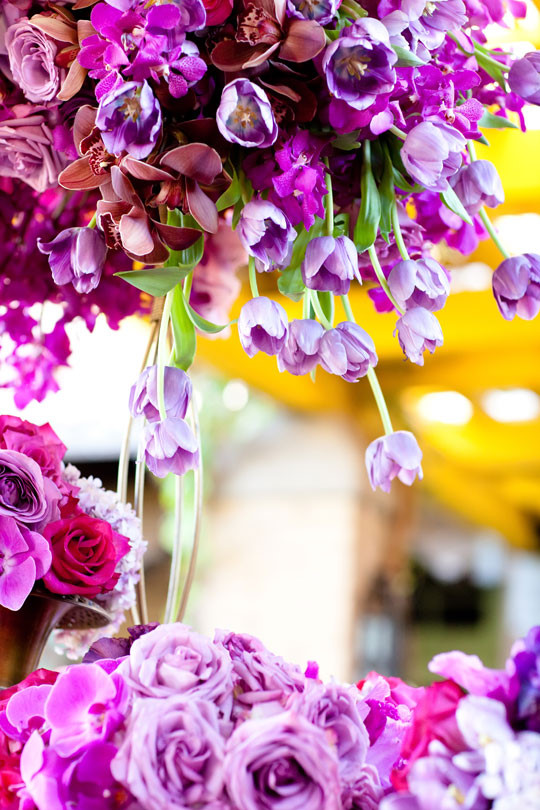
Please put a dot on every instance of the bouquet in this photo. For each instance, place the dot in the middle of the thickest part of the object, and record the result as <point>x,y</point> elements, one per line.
<point>61,532</point>
<point>168,718</point>
<point>333,142</point>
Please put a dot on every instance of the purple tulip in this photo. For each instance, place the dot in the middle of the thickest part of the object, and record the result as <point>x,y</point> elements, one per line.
<point>478,184</point>
<point>245,115</point>
<point>516,286</point>
<point>330,264</point>
<point>359,64</point>
<point>432,152</point>
<point>262,326</point>
<point>420,283</point>
<point>143,397</point>
<point>76,256</point>
<point>347,350</point>
<point>170,447</point>
<point>266,234</point>
<point>282,762</point>
<point>300,352</point>
<point>25,556</point>
<point>524,77</point>
<point>129,117</point>
<point>418,329</point>
<point>323,11</point>
<point>396,454</point>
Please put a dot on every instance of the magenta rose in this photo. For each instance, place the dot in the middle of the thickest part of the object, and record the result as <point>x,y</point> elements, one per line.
<point>217,11</point>
<point>27,151</point>
<point>38,442</point>
<point>32,57</point>
<point>85,553</point>
<point>24,493</point>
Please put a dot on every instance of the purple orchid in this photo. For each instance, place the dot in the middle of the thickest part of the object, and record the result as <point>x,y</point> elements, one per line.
<point>25,557</point>
<point>262,326</point>
<point>129,117</point>
<point>420,283</point>
<point>432,152</point>
<point>300,188</point>
<point>76,256</point>
<point>330,264</point>
<point>266,234</point>
<point>516,286</point>
<point>245,116</point>
<point>394,455</point>
<point>418,329</point>
<point>348,351</point>
<point>300,353</point>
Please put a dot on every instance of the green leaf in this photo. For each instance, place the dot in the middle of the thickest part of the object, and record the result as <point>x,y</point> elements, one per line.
<point>347,142</point>
<point>491,121</point>
<point>236,213</point>
<point>341,225</point>
<point>452,201</point>
<point>326,300</point>
<point>407,58</point>
<point>202,324</point>
<point>185,339</point>
<point>367,224</point>
<point>189,258</point>
<point>156,281</point>
<point>491,66</point>
<point>291,283</point>
<point>231,196</point>
<point>387,196</point>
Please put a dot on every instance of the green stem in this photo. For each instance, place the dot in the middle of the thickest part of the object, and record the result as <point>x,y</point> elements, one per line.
<point>253,277</point>
<point>162,353</point>
<point>397,233</point>
<point>314,299</point>
<point>175,572</point>
<point>93,221</point>
<point>488,225</point>
<point>486,54</point>
<point>329,218</point>
<point>306,307</point>
<point>380,400</point>
<point>347,307</point>
<point>380,276</point>
<point>399,132</point>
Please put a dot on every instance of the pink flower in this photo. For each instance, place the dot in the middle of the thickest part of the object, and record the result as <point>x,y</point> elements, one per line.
<point>85,555</point>
<point>27,150</point>
<point>38,442</point>
<point>32,57</point>
<point>24,558</point>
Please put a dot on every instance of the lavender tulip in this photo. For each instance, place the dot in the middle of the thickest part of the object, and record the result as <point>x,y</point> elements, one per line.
<point>25,556</point>
<point>170,447</point>
<point>245,115</point>
<point>143,397</point>
<point>432,152</point>
<point>129,117</point>
<point>396,454</point>
<point>281,763</point>
<point>266,234</point>
<point>323,11</point>
<point>76,256</point>
<point>478,184</point>
<point>300,352</point>
<point>347,350</point>
<point>330,264</point>
<point>359,64</point>
<point>421,283</point>
<point>516,286</point>
<point>524,77</point>
<point>262,326</point>
<point>418,329</point>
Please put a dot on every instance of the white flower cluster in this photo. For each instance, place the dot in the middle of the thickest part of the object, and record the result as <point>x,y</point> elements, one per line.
<point>104,504</point>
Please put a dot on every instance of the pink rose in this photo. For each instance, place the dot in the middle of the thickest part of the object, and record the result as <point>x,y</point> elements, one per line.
<point>217,11</point>
<point>38,442</point>
<point>27,150</point>
<point>85,553</point>
<point>32,57</point>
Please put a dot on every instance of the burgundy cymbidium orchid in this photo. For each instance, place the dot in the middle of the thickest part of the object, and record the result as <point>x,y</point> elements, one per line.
<point>92,169</point>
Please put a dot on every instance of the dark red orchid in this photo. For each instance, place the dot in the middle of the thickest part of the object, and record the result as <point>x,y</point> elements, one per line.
<point>93,168</point>
<point>264,30</point>
<point>126,223</point>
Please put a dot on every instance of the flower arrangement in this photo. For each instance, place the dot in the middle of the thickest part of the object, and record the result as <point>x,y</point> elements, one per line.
<point>333,142</point>
<point>61,532</point>
<point>168,718</point>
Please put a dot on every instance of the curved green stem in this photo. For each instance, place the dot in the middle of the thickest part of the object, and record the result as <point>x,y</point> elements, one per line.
<point>93,221</point>
<point>175,572</point>
<point>329,203</point>
<point>380,400</point>
<point>162,353</point>
<point>380,276</point>
<point>197,497</point>
<point>318,309</point>
<point>253,277</point>
<point>347,307</point>
<point>399,132</point>
<point>397,233</point>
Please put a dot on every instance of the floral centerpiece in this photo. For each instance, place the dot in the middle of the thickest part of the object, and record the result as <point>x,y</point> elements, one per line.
<point>168,718</point>
<point>336,140</point>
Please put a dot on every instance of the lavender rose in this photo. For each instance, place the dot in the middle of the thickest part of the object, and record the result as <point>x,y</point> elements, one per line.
<point>27,152</point>
<point>32,61</point>
<point>174,660</point>
<point>172,754</point>
<point>281,762</point>
<point>24,494</point>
